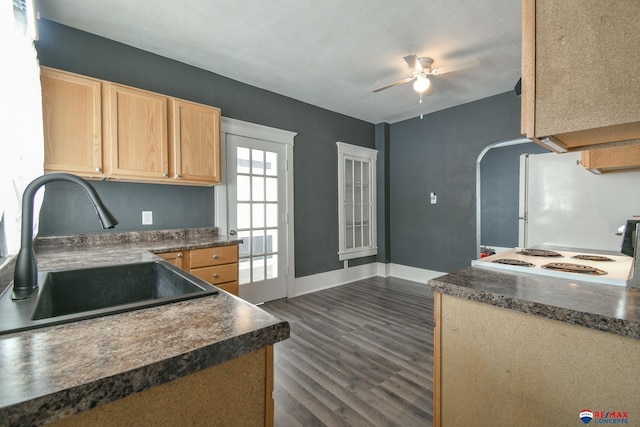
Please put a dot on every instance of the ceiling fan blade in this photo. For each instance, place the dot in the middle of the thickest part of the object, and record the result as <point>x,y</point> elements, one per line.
<point>455,67</point>
<point>413,62</point>
<point>398,83</point>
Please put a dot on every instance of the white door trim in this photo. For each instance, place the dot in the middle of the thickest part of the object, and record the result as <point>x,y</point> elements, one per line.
<point>229,126</point>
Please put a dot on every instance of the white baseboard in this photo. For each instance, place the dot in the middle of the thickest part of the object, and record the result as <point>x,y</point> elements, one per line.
<point>329,279</point>
<point>320,281</point>
<point>414,274</point>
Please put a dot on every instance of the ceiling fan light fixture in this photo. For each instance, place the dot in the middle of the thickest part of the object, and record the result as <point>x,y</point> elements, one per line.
<point>421,84</point>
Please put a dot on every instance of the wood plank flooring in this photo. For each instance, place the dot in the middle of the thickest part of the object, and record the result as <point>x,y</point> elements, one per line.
<point>360,354</point>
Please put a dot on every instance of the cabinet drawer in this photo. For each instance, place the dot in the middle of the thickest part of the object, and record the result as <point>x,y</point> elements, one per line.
<point>217,274</point>
<point>213,256</point>
<point>231,287</point>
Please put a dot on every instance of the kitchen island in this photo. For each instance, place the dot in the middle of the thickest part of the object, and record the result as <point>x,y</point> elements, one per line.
<point>521,349</point>
<point>206,361</point>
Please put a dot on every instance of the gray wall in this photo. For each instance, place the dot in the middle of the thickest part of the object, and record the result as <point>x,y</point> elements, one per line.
<point>66,209</point>
<point>499,193</point>
<point>438,154</point>
<point>315,153</point>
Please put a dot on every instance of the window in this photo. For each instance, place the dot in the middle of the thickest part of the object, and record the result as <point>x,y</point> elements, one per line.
<point>356,201</point>
<point>22,147</point>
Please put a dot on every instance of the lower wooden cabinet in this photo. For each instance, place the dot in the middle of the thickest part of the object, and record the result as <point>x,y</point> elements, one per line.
<point>217,265</point>
<point>499,367</point>
<point>238,392</point>
<point>175,258</point>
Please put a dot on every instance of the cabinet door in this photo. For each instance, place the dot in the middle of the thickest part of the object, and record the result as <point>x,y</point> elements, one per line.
<point>175,258</point>
<point>195,130</point>
<point>579,68</point>
<point>72,120</point>
<point>138,145</point>
<point>613,159</point>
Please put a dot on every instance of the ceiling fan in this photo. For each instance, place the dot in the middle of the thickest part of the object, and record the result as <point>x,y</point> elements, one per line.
<point>422,68</point>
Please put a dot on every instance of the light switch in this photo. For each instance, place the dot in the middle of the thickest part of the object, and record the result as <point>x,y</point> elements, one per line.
<point>147,217</point>
<point>434,198</point>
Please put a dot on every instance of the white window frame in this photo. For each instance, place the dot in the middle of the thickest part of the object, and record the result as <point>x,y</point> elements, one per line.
<point>362,154</point>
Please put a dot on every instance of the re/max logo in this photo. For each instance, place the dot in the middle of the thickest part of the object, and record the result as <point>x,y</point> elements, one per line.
<point>613,414</point>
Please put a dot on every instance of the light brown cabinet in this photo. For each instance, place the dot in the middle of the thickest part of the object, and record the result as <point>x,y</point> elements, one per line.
<point>499,367</point>
<point>136,129</point>
<point>195,132</point>
<point>217,265</point>
<point>175,258</point>
<point>613,159</point>
<point>72,121</point>
<point>580,85</point>
<point>238,392</point>
<point>99,129</point>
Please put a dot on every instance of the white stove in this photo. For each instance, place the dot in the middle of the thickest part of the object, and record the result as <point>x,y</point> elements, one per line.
<point>589,267</point>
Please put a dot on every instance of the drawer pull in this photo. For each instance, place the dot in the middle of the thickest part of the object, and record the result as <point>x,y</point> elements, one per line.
<point>215,256</point>
<point>215,275</point>
<point>180,255</point>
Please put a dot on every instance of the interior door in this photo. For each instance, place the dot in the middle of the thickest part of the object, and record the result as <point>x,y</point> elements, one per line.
<point>256,178</point>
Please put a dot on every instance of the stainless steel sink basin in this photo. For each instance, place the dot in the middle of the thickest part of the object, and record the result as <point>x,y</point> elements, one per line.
<point>69,296</point>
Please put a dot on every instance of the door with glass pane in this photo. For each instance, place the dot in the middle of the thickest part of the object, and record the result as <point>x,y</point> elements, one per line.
<point>257,211</point>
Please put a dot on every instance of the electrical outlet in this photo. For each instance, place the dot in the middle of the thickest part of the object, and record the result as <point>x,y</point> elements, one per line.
<point>147,217</point>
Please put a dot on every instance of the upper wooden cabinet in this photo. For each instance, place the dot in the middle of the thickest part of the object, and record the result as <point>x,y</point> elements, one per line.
<point>580,86</point>
<point>99,129</point>
<point>195,129</point>
<point>137,126</point>
<point>613,159</point>
<point>72,119</point>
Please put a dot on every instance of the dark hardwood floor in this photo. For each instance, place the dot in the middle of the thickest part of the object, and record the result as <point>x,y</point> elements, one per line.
<point>360,354</point>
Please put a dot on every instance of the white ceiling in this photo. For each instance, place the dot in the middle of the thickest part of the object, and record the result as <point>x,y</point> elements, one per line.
<point>329,53</point>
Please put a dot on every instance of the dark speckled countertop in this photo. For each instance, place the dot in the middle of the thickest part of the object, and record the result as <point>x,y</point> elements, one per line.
<point>49,373</point>
<point>607,308</point>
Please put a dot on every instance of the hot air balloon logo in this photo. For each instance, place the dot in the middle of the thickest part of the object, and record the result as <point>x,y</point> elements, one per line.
<point>586,416</point>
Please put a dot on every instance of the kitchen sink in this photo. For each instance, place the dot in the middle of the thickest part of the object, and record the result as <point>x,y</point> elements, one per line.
<point>72,295</point>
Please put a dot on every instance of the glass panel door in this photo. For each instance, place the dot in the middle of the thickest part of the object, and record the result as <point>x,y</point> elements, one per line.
<point>258,212</point>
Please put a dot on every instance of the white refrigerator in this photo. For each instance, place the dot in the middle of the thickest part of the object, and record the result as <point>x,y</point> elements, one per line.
<point>563,204</point>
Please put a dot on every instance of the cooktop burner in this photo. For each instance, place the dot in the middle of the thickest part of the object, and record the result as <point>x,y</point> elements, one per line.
<point>513,262</point>
<point>592,258</point>
<point>539,252</point>
<point>574,268</point>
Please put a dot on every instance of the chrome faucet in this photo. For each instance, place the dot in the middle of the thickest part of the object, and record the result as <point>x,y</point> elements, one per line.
<point>25,276</point>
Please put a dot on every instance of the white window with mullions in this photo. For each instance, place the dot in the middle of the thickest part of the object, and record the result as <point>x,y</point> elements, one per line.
<point>356,201</point>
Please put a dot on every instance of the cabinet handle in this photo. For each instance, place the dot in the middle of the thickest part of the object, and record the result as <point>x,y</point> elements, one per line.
<point>179,255</point>
<point>178,176</point>
<point>215,256</point>
<point>98,169</point>
<point>165,174</point>
<point>215,275</point>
